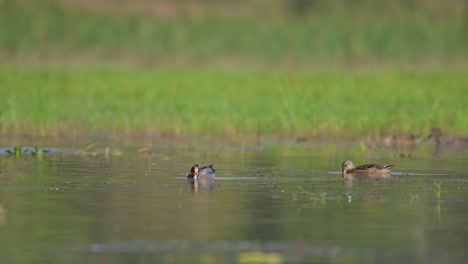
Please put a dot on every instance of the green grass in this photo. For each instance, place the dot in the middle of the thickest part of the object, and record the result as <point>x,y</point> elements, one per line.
<point>69,101</point>
<point>193,96</point>
<point>258,32</point>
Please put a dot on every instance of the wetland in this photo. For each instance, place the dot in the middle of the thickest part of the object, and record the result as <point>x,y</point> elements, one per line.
<point>276,202</point>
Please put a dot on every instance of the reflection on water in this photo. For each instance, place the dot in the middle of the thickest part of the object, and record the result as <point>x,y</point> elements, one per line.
<point>277,204</point>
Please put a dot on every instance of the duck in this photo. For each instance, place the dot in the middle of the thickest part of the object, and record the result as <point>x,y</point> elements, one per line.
<point>402,141</point>
<point>455,142</point>
<point>348,167</point>
<point>393,141</point>
<point>203,173</point>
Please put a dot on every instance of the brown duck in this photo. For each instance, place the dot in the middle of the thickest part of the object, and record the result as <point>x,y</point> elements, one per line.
<point>348,167</point>
<point>455,142</point>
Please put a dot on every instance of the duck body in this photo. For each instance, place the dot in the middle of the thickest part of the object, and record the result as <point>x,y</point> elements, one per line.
<point>348,167</point>
<point>202,177</point>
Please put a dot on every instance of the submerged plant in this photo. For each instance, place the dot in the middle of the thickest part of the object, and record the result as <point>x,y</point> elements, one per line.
<point>438,189</point>
<point>412,198</point>
<point>321,197</point>
<point>87,151</point>
<point>91,150</point>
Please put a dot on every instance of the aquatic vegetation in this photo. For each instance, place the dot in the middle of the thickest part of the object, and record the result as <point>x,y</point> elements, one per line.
<point>17,151</point>
<point>39,152</point>
<point>412,198</point>
<point>316,197</point>
<point>3,215</point>
<point>145,152</point>
<point>87,151</point>
<point>21,151</point>
<point>438,189</point>
<point>260,257</point>
<point>91,150</point>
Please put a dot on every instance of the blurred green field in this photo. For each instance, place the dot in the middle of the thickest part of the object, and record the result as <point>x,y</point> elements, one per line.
<point>285,67</point>
<point>292,33</point>
<point>55,102</point>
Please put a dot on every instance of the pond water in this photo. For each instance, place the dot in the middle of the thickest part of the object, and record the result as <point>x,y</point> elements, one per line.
<point>282,202</point>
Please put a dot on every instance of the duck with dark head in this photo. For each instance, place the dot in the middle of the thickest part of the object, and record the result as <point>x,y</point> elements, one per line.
<point>204,175</point>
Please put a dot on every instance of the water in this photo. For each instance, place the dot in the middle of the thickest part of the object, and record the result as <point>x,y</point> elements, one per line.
<point>283,202</point>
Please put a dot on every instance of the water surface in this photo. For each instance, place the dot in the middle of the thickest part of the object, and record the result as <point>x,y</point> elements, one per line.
<point>281,202</point>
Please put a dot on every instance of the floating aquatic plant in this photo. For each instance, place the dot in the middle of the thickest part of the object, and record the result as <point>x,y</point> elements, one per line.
<point>21,151</point>
<point>17,151</point>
